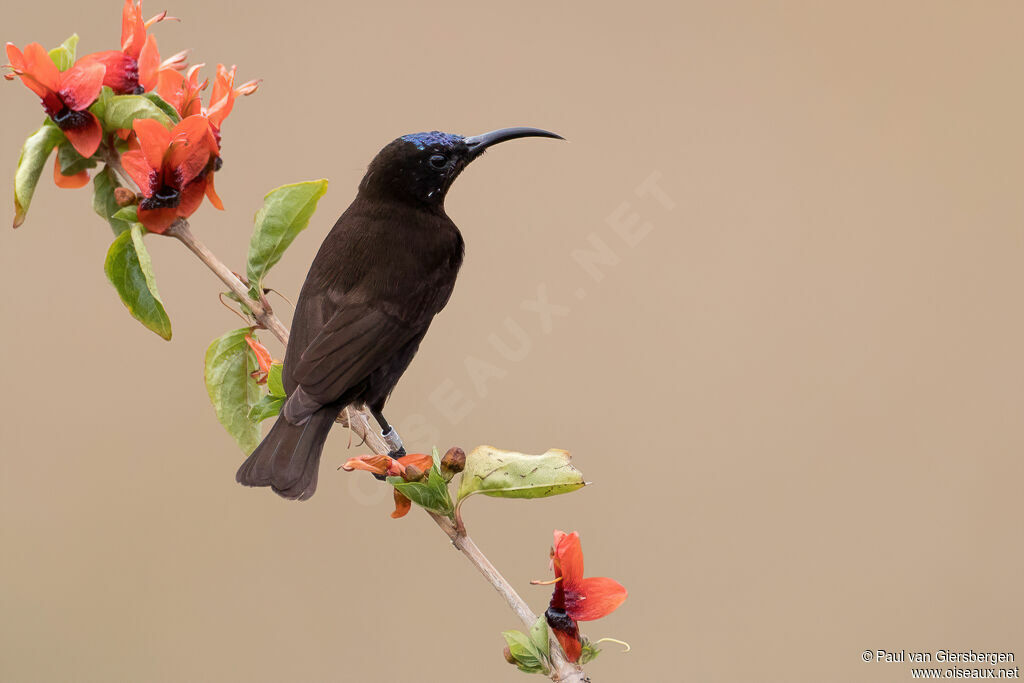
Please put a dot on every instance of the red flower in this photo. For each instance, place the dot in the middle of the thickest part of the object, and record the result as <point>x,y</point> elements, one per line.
<point>136,67</point>
<point>66,95</point>
<point>182,92</point>
<point>222,97</point>
<point>576,598</point>
<point>171,168</point>
<point>383,465</point>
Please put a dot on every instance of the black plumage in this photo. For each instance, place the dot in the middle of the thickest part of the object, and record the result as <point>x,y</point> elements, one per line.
<point>384,271</point>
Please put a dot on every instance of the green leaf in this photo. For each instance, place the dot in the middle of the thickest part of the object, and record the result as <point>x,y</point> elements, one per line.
<point>127,213</point>
<point>120,110</point>
<point>229,367</point>
<point>274,382</point>
<point>71,162</point>
<point>103,202</point>
<point>526,655</point>
<point>130,270</point>
<point>266,407</point>
<point>64,54</point>
<point>164,106</point>
<point>99,107</point>
<point>589,651</point>
<point>286,212</point>
<point>34,154</point>
<point>539,634</point>
<point>431,493</point>
<point>507,474</point>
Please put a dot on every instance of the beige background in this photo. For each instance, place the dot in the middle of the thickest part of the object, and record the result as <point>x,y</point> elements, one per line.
<point>799,394</point>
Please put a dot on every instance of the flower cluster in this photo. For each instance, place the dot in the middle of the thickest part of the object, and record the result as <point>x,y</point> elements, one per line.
<point>170,145</point>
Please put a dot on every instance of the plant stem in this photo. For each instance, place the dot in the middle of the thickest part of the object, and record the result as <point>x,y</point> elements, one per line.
<point>260,310</point>
<point>358,420</point>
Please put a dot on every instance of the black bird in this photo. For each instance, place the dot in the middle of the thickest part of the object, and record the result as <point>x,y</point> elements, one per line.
<point>384,271</point>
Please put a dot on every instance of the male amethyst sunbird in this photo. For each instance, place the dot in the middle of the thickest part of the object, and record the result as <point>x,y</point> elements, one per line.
<point>384,271</point>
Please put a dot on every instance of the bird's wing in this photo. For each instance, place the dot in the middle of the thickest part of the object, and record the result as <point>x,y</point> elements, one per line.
<point>353,343</point>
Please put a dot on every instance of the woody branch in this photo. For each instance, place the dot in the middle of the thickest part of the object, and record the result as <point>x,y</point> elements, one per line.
<point>358,420</point>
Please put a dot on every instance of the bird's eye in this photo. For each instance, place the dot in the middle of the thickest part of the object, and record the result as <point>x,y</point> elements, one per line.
<point>438,161</point>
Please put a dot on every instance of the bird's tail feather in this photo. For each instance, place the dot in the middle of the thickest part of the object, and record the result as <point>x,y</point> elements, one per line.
<point>288,458</point>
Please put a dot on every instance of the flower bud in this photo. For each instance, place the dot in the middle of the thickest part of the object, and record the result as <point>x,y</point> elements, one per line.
<point>413,473</point>
<point>124,197</point>
<point>453,462</point>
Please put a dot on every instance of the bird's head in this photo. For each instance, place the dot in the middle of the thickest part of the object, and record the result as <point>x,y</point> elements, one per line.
<point>420,167</point>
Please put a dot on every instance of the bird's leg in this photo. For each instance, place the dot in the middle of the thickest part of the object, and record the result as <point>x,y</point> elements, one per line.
<point>389,434</point>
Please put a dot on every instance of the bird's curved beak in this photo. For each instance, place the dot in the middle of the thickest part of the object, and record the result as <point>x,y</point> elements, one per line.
<point>478,143</point>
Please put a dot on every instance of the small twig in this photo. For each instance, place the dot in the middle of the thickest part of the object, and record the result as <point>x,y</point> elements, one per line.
<point>228,306</point>
<point>267,320</point>
<point>113,160</point>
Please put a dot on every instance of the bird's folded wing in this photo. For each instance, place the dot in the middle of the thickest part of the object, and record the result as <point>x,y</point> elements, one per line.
<point>353,343</point>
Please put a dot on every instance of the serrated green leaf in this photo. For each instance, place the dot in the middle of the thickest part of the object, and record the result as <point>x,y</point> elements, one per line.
<point>267,407</point>
<point>120,111</point>
<point>431,493</point>
<point>275,385</point>
<point>34,154</point>
<point>64,54</point>
<point>103,202</point>
<point>539,635</point>
<point>127,213</point>
<point>507,474</point>
<point>71,162</point>
<point>525,653</point>
<point>228,373</point>
<point>129,269</point>
<point>286,212</point>
<point>164,106</point>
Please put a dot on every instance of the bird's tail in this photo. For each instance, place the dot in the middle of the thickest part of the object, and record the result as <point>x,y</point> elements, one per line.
<point>288,459</point>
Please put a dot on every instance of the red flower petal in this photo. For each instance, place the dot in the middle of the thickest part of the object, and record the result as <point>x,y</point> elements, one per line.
<point>133,29</point>
<point>69,182</point>
<point>189,151</point>
<point>568,558</point>
<point>378,464</point>
<point>149,64</point>
<point>593,598</point>
<point>262,353</point>
<point>402,505</point>
<point>222,97</point>
<point>211,193</point>
<point>20,65</point>
<point>122,75</point>
<point>80,85</point>
<point>154,140</point>
<point>144,175</point>
<point>157,220</point>
<point>570,643</point>
<point>421,461</point>
<point>191,197</point>
<point>39,65</point>
<point>86,139</point>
